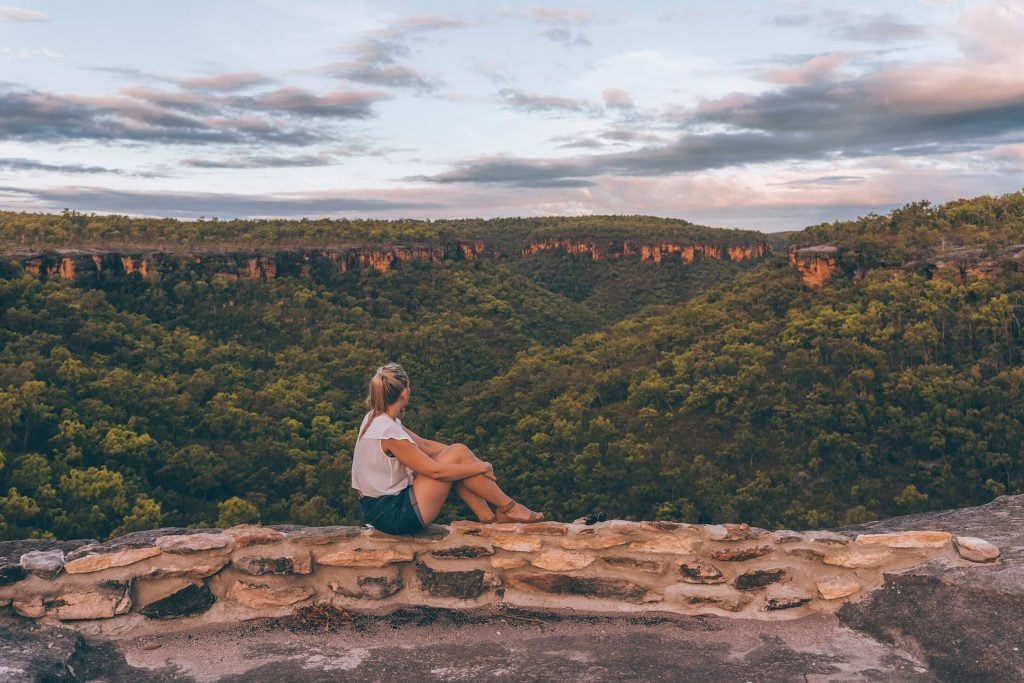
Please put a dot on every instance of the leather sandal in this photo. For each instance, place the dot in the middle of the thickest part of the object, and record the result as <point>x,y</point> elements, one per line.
<point>503,511</point>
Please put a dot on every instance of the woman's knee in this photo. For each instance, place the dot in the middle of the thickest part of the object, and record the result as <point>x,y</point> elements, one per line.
<point>457,452</point>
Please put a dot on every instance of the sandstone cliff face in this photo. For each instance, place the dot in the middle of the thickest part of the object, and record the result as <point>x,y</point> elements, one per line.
<point>610,249</point>
<point>69,264</point>
<point>816,264</point>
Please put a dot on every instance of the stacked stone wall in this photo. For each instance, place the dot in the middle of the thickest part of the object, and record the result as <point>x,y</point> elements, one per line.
<point>151,580</point>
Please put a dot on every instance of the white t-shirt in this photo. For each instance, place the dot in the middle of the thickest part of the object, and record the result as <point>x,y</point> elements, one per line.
<point>374,472</point>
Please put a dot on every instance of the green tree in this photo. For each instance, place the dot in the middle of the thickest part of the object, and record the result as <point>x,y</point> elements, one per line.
<point>235,511</point>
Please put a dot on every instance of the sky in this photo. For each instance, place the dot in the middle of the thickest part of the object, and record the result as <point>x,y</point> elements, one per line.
<point>766,114</point>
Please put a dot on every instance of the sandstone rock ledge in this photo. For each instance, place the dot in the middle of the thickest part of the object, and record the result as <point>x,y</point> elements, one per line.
<point>167,579</point>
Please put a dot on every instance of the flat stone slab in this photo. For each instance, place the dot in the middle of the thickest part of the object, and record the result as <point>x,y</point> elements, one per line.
<point>186,544</point>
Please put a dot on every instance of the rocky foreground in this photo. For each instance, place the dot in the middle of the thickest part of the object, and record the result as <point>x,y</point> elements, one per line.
<point>934,620</point>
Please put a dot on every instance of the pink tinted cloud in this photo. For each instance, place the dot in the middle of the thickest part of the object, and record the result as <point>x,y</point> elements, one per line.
<point>8,13</point>
<point>617,97</point>
<point>225,82</point>
<point>815,69</point>
<point>575,15</point>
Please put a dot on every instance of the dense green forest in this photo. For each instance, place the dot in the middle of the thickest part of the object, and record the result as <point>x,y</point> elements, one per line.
<point>74,229</point>
<point>707,392</point>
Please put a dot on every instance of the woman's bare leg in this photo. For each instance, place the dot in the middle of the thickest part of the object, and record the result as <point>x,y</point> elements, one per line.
<point>477,504</point>
<point>432,493</point>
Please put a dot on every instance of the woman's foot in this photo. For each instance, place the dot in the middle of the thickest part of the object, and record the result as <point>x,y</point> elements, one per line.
<point>516,512</point>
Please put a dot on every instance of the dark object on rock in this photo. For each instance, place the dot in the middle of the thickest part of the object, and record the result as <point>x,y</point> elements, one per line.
<point>194,598</point>
<point>758,579</point>
<point>594,587</point>
<point>315,618</point>
<point>695,571</point>
<point>463,552</point>
<point>741,554</point>
<point>592,518</point>
<point>464,585</point>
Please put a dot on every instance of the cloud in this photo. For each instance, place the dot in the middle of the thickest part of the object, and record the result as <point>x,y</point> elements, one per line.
<point>224,82</point>
<point>992,31</point>
<point>574,15</point>
<point>814,69</point>
<point>565,37</point>
<point>854,26</point>
<point>375,63</point>
<point>876,29</point>
<point>518,99</point>
<point>823,180</point>
<point>513,173</point>
<point>375,57</point>
<point>346,105</point>
<point>17,14</point>
<point>920,111</point>
<point>17,164</point>
<point>428,22</point>
<point>174,117</point>
<point>194,204</point>
<point>262,161</point>
<point>617,98</point>
<point>789,20</point>
<point>26,53</point>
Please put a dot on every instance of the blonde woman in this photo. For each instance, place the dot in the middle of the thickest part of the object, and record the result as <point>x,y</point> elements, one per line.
<point>403,480</point>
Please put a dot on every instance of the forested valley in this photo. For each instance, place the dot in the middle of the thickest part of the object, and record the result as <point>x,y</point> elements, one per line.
<point>709,391</point>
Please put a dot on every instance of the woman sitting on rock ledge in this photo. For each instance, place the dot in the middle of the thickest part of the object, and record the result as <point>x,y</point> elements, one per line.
<point>403,479</point>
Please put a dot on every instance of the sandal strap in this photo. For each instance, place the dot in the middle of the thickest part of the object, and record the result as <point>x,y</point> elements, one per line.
<point>507,507</point>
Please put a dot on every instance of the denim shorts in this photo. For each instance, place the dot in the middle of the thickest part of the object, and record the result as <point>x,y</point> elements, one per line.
<point>397,514</point>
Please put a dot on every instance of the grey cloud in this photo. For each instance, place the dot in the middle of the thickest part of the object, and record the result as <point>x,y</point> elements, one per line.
<point>789,20</point>
<point>148,115</point>
<point>580,143</point>
<point>346,105</point>
<point>518,99</point>
<point>18,164</point>
<point>824,180</point>
<point>565,37</point>
<point>262,161</point>
<point>515,173</point>
<point>194,204</point>
<point>376,63</point>
<point>626,135</point>
<point>375,58</point>
<point>813,121</point>
<point>875,29</point>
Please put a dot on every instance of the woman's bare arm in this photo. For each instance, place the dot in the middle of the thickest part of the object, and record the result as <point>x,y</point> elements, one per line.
<point>431,448</point>
<point>410,455</point>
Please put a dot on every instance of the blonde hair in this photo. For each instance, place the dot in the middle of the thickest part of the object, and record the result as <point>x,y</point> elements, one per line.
<point>386,387</point>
